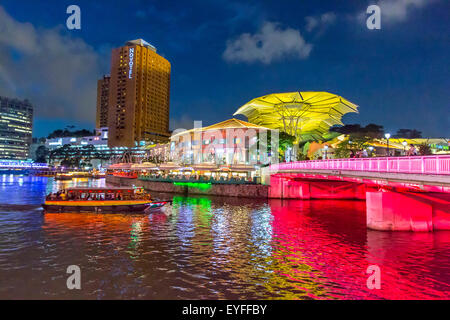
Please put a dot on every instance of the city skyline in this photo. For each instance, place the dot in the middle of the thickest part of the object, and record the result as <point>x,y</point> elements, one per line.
<point>393,74</point>
<point>226,150</point>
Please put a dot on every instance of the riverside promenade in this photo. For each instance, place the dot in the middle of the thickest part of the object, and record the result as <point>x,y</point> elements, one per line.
<point>194,188</point>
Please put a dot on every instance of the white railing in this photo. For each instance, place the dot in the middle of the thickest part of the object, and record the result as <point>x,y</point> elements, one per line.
<point>437,164</point>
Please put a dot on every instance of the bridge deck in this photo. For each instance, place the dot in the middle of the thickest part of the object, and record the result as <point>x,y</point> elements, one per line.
<point>411,172</point>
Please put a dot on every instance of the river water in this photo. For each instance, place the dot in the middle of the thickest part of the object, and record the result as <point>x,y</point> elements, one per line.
<point>210,248</point>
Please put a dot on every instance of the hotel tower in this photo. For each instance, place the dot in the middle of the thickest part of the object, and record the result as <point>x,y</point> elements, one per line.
<point>139,89</point>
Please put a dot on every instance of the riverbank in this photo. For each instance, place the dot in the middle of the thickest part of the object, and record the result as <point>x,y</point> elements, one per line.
<point>226,190</point>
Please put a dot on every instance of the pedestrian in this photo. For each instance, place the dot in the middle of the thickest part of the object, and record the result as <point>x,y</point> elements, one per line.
<point>352,154</point>
<point>364,153</point>
<point>412,150</point>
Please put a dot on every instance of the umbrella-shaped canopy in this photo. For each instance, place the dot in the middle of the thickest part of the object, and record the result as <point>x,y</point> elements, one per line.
<point>304,115</point>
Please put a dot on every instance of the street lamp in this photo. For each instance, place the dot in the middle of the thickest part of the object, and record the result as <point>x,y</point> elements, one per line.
<point>387,136</point>
<point>326,149</point>
<point>404,143</point>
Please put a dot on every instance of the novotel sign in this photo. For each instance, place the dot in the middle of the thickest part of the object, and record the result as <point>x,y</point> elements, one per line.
<point>130,64</point>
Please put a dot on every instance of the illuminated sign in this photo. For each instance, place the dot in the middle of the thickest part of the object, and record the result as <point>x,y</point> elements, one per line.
<point>131,55</point>
<point>56,143</point>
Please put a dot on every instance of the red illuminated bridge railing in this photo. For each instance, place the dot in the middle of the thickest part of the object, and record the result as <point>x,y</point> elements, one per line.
<point>438,164</point>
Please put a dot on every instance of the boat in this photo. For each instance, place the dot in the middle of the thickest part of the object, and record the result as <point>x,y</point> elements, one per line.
<point>98,175</point>
<point>127,175</point>
<point>80,174</point>
<point>106,199</point>
<point>63,176</point>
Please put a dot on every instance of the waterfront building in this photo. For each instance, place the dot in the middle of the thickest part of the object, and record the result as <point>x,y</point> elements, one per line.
<point>93,148</point>
<point>138,110</point>
<point>228,142</point>
<point>16,126</point>
<point>102,102</point>
<point>158,153</point>
<point>99,140</point>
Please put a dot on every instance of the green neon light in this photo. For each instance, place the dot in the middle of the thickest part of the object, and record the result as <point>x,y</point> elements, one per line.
<point>198,185</point>
<point>202,202</point>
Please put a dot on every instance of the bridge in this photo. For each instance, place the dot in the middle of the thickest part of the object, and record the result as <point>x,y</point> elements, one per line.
<point>11,166</point>
<point>401,193</point>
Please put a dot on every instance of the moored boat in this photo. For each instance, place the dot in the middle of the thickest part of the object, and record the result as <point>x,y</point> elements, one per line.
<point>63,176</point>
<point>124,200</point>
<point>127,175</point>
<point>98,175</point>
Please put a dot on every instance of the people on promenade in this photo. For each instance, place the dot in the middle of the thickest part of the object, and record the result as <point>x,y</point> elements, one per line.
<point>364,153</point>
<point>412,151</point>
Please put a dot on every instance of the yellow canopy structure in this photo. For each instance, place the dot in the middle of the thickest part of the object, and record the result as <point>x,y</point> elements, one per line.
<point>301,114</point>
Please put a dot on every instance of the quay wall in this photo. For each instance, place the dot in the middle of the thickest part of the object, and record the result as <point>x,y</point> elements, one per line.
<point>227,190</point>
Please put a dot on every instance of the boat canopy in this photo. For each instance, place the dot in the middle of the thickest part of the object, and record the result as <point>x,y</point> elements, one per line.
<point>100,190</point>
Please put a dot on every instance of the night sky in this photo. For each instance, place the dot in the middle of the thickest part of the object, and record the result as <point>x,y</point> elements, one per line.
<point>224,53</point>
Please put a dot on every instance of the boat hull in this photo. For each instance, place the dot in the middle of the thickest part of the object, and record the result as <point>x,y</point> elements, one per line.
<point>101,206</point>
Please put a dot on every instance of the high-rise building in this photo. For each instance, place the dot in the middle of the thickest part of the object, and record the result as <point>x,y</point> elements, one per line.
<point>139,95</point>
<point>16,127</point>
<point>102,102</point>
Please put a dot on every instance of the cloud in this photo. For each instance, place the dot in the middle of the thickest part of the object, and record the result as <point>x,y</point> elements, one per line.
<point>395,11</point>
<point>271,43</point>
<point>320,22</point>
<point>183,122</point>
<point>56,72</point>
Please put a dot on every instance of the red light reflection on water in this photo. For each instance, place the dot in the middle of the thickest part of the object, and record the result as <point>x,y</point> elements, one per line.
<point>328,242</point>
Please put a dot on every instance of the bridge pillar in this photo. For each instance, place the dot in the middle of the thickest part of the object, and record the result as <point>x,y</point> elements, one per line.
<point>284,188</point>
<point>408,211</point>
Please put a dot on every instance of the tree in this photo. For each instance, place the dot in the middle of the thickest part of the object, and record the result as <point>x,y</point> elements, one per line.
<point>424,149</point>
<point>70,156</point>
<point>285,141</point>
<point>42,153</point>
<point>408,134</point>
<point>358,138</point>
<point>347,129</point>
<point>372,130</point>
<point>59,133</point>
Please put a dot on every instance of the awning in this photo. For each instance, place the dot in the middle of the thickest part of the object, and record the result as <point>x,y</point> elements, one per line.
<point>305,115</point>
<point>120,166</point>
<point>143,166</point>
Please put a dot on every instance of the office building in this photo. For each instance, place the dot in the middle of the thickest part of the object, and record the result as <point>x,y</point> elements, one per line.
<point>16,127</point>
<point>102,102</point>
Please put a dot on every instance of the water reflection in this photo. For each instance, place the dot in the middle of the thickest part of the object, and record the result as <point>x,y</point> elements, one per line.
<point>210,248</point>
